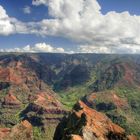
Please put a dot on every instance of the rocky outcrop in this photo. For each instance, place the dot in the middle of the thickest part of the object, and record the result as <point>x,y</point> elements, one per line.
<point>76,137</point>
<point>45,109</point>
<point>113,101</point>
<point>11,101</point>
<point>21,131</point>
<point>9,75</point>
<point>85,123</point>
<point>4,132</point>
<point>132,137</point>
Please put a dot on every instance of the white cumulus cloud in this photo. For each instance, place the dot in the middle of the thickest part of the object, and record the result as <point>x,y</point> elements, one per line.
<point>10,25</point>
<point>121,49</point>
<point>27,10</point>
<point>39,47</point>
<point>83,22</point>
<point>39,2</point>
<point>93,49</point>
<point>6,27</point>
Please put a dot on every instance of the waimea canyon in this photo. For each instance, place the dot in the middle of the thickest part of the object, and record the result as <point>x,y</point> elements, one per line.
<point>68,97</point>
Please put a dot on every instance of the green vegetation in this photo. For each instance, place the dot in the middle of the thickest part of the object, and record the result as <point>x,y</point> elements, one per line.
<point>38,133</point>
<point>3,93</point>
<point>10,116</point>
<point>50,131</point>
<point>133,114</point>
<point>70,97</point>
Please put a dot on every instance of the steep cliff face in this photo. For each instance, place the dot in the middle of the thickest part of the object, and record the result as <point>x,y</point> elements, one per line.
<point>114,73</point>
<point>85,123</point>
<point>25,95</point>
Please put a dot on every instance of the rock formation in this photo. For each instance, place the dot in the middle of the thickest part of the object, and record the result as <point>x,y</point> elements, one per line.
<point>21,131</point>
<point>85,123</point>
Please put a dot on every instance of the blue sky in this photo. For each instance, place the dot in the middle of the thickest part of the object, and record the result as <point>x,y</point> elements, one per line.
<point>120,5</point>
<point>70,34</point>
